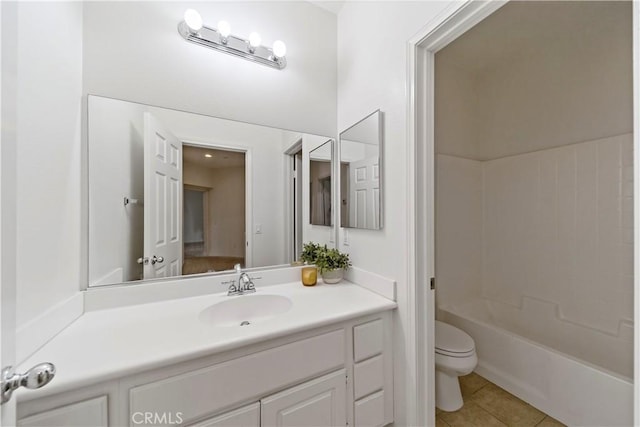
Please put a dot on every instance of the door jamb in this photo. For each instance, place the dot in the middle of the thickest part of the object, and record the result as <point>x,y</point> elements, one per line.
<point>248,186</point>
<point>446,27</point>
<point>289,153</point>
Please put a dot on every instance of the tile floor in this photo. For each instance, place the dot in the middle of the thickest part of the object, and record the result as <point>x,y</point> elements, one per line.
<point>487,405</point>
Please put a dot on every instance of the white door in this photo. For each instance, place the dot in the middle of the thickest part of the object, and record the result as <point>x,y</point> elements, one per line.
<point>364,193</point>
<point>321,402</point>
<point>162,201</point>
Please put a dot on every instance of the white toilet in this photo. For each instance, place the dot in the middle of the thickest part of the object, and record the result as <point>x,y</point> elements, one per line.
<point>455,356</point>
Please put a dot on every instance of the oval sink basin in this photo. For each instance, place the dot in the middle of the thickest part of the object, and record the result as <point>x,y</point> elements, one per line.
<point>245,310</point>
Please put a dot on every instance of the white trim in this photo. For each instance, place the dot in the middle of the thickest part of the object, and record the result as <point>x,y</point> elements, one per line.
<point>636,205</point>
<point>289,220</point>
<point>248,190</point>
<point>450,24</point>
<point>373,282</point>
<point>33,335</point>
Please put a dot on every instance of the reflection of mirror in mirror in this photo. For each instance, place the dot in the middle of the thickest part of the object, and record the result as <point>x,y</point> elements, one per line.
<point>360,180</point>
<point>320,167</point>
<point>174,193</point>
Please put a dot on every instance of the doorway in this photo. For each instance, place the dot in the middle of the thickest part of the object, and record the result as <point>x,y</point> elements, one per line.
<point>423,48</point>
<point>214,209</point>
<point>293,185</point>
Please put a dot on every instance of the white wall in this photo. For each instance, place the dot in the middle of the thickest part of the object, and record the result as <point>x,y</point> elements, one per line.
<point>458,229</point>
<point>115,155</point>
<point>226,207</point>
<point>372,74</point>
<point>49,90</point>
<point>133,51</point>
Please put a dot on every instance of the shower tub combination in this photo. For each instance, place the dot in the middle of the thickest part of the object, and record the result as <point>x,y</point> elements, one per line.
<point>578,375</point>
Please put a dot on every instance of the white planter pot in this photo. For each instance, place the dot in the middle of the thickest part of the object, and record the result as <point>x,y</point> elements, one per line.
<point>333,276</point>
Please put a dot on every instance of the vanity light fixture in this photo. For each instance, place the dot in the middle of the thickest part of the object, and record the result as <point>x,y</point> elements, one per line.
<point>193,30</point>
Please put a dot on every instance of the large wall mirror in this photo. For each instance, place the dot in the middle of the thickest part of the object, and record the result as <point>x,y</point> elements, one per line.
<point>360,174</point>
<point>320,186</point>
<point>174,193</point>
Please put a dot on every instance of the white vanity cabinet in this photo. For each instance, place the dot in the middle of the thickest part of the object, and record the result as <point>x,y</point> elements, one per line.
<point>247,416</point>
<point>336,375</point>
<point>321,402</point>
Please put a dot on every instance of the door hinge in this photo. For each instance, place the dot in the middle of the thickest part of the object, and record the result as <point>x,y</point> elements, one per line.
<point>433,283</point>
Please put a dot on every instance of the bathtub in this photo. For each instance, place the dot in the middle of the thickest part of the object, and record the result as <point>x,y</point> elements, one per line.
<point>557,366</point>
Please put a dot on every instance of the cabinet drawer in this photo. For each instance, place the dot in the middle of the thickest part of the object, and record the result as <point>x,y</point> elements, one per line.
<point>247,416</point>
<point>368,340</point>
<point>368,376</point>
<point>243,379</point>
<point>90,413</point>
<point>369,412</point>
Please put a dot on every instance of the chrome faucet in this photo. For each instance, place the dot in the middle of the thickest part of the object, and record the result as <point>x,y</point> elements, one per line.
<point>243,283</point>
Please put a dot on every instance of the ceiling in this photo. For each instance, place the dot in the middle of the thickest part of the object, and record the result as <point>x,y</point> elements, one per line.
<point>333,6</point>
<point>219,158</point>
<point>532,27</point>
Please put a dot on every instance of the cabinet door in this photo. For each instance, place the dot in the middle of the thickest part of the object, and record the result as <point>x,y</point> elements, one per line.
<point>320,402</point>
<point>83,414</point>
<point>247,416</point>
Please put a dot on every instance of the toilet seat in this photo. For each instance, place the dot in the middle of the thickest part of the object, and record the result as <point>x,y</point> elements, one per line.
<point>451,341</point>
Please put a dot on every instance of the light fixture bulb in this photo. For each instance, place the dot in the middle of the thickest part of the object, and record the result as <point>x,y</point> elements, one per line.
<point>279,49</point>
<point>255,39</point>
<point>193,19</point>
<point>224,29</point>
<point>208,156</point>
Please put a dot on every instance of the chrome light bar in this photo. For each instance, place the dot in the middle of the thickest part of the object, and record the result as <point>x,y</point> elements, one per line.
<point>212,38</point>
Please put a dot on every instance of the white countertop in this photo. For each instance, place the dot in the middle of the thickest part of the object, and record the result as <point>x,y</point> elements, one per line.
<point>108,344</point>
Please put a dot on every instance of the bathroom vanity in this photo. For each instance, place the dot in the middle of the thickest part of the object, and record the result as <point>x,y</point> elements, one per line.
<point>325,360</point>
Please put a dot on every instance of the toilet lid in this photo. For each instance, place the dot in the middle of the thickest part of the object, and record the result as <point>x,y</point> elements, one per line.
<point>452,341</point>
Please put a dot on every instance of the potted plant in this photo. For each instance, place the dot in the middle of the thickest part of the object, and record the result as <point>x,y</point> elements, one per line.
<point>332,263</point>
<point>310,252</point>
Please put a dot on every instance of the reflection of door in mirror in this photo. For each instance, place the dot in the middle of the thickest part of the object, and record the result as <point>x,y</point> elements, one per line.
<point>214,209</point>
<point>162,187</point>
<point>263,225</point>
<point>360,181</point>
<point>364,194</point>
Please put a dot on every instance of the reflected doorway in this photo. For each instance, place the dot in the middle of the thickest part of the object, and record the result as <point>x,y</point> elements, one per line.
<point>214,209</point>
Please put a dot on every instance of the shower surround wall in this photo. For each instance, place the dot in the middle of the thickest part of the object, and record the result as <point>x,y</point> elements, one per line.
<point>555,233</point>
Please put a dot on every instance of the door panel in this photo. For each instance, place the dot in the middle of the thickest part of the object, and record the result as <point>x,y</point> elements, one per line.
<point>163,201</point>
<point>364,188</point>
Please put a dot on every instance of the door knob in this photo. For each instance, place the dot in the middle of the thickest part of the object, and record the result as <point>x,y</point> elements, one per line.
<point>36,377</point>
<point>152,260</point>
